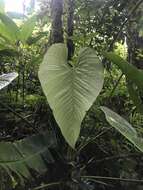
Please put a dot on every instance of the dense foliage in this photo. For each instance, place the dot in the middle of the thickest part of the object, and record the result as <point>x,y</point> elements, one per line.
<point>71,87</point>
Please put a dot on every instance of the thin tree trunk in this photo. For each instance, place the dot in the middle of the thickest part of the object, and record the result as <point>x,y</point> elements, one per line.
<point>57,25</point>
<point>134,40</point>
<point>70,27</point>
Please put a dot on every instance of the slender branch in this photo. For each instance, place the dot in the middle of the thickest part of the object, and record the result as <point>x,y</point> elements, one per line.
<point>113,179</point>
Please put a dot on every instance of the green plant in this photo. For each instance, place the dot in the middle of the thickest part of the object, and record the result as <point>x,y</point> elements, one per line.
<point>134,78</point>
<point>30,153</point>
<point>11,33</point>
<point>70,89</point>
<point>123,127</point>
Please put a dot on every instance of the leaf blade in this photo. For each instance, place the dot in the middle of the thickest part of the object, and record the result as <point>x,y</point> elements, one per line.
<point>131,72</point>
<point>6,79</point>
<point>31,152</point>
<point>27,28</point>
<point>70,91</point>
<point>8,28</point>
<point>123,127</point>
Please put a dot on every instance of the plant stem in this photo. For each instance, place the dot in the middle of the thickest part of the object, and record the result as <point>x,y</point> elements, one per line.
<point>113,179</point>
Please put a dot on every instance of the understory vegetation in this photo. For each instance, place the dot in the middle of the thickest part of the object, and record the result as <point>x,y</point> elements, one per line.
<point>71,95</point>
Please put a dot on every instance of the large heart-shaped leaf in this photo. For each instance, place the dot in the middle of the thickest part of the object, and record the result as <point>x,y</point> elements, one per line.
<point>123,127</point>
<point>70,91</point>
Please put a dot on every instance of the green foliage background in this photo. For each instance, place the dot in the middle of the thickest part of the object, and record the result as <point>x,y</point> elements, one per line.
<point>106,26</point>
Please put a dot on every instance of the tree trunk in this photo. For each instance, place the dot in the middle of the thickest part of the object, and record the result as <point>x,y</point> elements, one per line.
<point>57,25</point>
<point>134,40</point>
<point>70,27</point>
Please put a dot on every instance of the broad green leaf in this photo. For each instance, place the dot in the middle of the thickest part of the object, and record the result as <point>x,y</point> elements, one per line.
<point>27,28</point>
<point>70,91</point>
<point>6,79</point>
<point>32,152</point>
<point>131,72</point>
<point>2,6</point>
<point>123,127</point>
<point>134,75</point>
<point>8,28</point>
